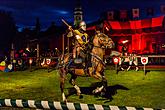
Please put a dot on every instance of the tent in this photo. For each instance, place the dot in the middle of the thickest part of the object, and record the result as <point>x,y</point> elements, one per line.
<point>145,36</point>
<point>145,26</point>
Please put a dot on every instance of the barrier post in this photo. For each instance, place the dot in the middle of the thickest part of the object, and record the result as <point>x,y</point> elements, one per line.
<point>144,61</point>
<point>48,61</point>
<point>116,61</point>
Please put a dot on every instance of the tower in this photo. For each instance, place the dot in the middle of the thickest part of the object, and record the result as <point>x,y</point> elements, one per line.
<point>78,14</point>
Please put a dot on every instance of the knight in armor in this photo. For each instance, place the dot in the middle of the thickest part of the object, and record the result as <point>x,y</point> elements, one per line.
<point>81,41</point>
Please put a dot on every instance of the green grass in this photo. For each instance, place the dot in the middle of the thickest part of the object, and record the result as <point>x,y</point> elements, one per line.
<point>143,91</point>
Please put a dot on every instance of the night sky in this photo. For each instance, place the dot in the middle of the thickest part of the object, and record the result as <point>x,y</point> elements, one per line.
<point>25,12</point>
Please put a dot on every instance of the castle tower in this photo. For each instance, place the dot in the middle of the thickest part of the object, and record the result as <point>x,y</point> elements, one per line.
<point>78,14</point>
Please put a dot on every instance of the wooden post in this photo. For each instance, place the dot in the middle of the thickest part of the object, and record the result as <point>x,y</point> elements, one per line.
<point>30,63</point>
<point>12,46</point>
<point>38,55</point>
<point>12,56</point>
<point>12,52</point>
<point>30,67</point>
<point>103,27</point>
<point>68,44</point>
<point>63,46</point>
<point>116,67</point>
<point>14,64</point>
<point>144,69</point>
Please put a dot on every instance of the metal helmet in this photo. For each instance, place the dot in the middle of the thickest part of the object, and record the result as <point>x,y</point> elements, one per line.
<point>82,25</point>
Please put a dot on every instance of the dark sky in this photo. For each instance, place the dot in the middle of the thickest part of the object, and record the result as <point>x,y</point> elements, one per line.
<point>25,12</point>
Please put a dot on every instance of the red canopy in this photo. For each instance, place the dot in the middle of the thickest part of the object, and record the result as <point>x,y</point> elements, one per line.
<point>137,26</point>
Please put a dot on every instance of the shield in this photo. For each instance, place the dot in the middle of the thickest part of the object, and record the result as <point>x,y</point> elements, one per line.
<point>144,60</point>
<point>48,61</point>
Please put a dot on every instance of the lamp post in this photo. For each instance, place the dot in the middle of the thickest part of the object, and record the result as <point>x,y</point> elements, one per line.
<point>30,62</point>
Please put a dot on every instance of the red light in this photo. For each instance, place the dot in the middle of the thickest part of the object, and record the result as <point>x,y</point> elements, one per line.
<point>106,28</point>
<point>125,41</point>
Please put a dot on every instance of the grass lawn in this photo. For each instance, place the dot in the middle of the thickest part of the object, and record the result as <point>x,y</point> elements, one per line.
<point>125,89</point>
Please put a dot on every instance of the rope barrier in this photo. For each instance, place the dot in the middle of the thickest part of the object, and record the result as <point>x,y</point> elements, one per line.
<point>139,56</point>
<point>54,105</point>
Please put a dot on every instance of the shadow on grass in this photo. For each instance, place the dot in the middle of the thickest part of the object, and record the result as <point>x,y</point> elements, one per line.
<point>107,96</point>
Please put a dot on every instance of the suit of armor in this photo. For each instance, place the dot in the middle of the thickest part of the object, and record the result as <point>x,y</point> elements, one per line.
<point>80,42</point>
<point>80,39</point>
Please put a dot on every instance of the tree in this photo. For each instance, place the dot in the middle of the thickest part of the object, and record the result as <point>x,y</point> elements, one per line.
<point>7,30</point>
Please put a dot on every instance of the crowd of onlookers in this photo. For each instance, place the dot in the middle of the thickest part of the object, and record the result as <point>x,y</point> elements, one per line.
<point>20,61</point>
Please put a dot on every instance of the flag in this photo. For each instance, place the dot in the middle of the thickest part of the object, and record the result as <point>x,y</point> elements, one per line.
<point>162,9</point>
<point>110,15</point>
<point>135,12</point>
<point>150,11</point>
<point>123,14</point>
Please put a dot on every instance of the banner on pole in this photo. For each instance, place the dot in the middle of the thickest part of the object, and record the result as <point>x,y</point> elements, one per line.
<point>135,12</point>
